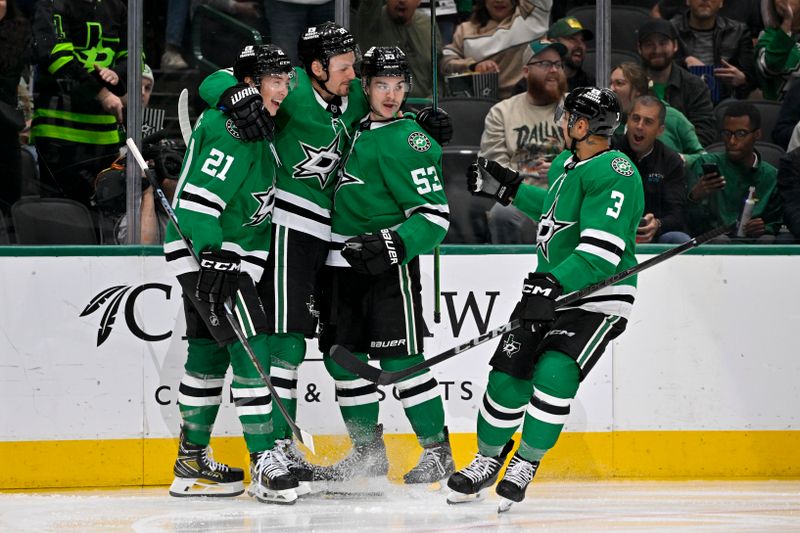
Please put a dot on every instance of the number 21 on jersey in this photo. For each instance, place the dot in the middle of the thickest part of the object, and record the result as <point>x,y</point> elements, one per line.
<point>426,180</point>
<point>214,161</point>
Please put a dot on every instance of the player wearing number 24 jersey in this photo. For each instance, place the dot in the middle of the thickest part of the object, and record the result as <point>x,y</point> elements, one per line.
<point>587,227</point>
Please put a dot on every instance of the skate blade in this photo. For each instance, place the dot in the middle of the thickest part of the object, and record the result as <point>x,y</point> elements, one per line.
<point>455,498</point>
<point>505,505</point>
<point>196,487</point>
<point>304,488</point>
<point>280,497</point>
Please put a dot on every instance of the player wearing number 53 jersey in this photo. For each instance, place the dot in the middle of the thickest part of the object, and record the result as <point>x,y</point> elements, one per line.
<point>389,207</point>
<point>224,203</point>
<point>587,227</point>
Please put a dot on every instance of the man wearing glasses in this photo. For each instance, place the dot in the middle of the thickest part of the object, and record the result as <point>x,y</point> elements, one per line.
<point>720,183</point>
<point>519,133</point>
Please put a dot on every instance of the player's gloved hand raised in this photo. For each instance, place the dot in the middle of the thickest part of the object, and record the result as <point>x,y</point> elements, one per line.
<point>374,253</point>
<point>538,303</point>
<point>488,178</point>
<point>218,279</point>
<point>246,107</point>
<point>438,125</point>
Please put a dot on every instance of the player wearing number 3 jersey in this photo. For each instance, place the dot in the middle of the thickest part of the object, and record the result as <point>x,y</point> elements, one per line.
<point>587,228</point>
<point>389,207</point>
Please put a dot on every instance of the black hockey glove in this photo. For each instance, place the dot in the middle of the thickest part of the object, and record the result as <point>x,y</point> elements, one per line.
<point>488,178</point>
<point>246,107</point>
<point>438,125</point>
<point>219,278</point>
<point>538,303</point>
<point>374,253</point>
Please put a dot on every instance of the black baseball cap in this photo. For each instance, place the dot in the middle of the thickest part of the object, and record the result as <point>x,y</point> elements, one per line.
<point>656,26</point>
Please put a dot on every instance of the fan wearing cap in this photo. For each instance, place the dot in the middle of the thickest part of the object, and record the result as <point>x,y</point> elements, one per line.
<point>587,227</point>
<point>519,132</point>
<point>682,90</point>
<point>569,32</point>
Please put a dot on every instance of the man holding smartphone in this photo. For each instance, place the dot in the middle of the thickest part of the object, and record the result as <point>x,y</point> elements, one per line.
<point>719,183</point>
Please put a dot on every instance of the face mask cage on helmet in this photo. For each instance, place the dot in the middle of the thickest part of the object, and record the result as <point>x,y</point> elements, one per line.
<point>323,42</point>
<point>385,61</point>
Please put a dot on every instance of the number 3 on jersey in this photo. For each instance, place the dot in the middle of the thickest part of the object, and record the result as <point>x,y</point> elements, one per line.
<point>212,164</point>
<point>617,197</point>
<point>422,177</point>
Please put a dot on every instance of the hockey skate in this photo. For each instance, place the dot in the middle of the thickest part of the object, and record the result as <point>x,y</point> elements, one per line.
<point>435,463</point>
<point>365,461</point>
<point>297,465</point>
<point>271,481</point>
<point>471,483</point>
<point>512,487</point>
<point>197,474</point>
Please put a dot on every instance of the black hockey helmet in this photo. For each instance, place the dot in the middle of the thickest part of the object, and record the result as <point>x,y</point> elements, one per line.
<point>385,61</point>
<point>598,106</point>
<point>323,42</point>
<point>270,60</point>
<point>245,64</point>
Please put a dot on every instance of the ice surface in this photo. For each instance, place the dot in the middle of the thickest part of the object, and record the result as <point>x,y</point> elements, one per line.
<point>549,506</point>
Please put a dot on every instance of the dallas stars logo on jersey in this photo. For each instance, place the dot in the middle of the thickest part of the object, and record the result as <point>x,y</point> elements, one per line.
<point>511,346</point>
<point>549,226</point>
<point>347,179</point>
<point>318,163</point>
<point>266,201</point>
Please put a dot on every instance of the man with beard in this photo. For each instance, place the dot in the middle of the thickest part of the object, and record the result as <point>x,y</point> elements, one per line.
<point>719,183</point>
<point>569,32</point>
<point>519,133</point>
<point>676,86</point>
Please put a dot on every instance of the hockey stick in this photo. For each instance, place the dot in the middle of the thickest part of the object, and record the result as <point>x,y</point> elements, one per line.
<point>302,436</point>
<point>183,116</point>
<point>350,362</point>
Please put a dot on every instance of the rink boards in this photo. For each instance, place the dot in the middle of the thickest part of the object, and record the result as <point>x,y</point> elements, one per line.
<point>701,385</point>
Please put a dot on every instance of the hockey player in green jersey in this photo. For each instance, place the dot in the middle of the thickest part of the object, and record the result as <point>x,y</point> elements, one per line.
<point>224,203</point>
<point>389,207</point>
<point>587,228</point>
<point>314,126</point>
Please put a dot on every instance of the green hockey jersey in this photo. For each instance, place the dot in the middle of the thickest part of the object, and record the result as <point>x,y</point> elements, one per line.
<point>391,178</point>
<point>224,198</point>
<point>83,34</point>
<point>587,226</point>
<point>310,141</point>
<point>777,61</point>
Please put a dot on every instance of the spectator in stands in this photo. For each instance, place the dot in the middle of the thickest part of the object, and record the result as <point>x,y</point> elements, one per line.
<point>788,117</point>
<point>747,12</point>
<point>177,17</point>
<point>288,19</point>
<point>662,171</point>
<point>494,37</point>
<point>717,198</point>
<point>676,86</point>
<point>707,38</point>
<point>78,110</point>
<point>778,52</point>
<point>569,32</point>
<point>629,82</point>
<point>789,190</point>
<point>519,133</point>
<point>15,40</point>
<point>398,23</point>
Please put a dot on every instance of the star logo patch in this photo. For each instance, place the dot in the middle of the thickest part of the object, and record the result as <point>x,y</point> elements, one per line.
<point>266,201</point>
<point>318,163</point>
<point>549,226</point>
<point>622,166</point>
